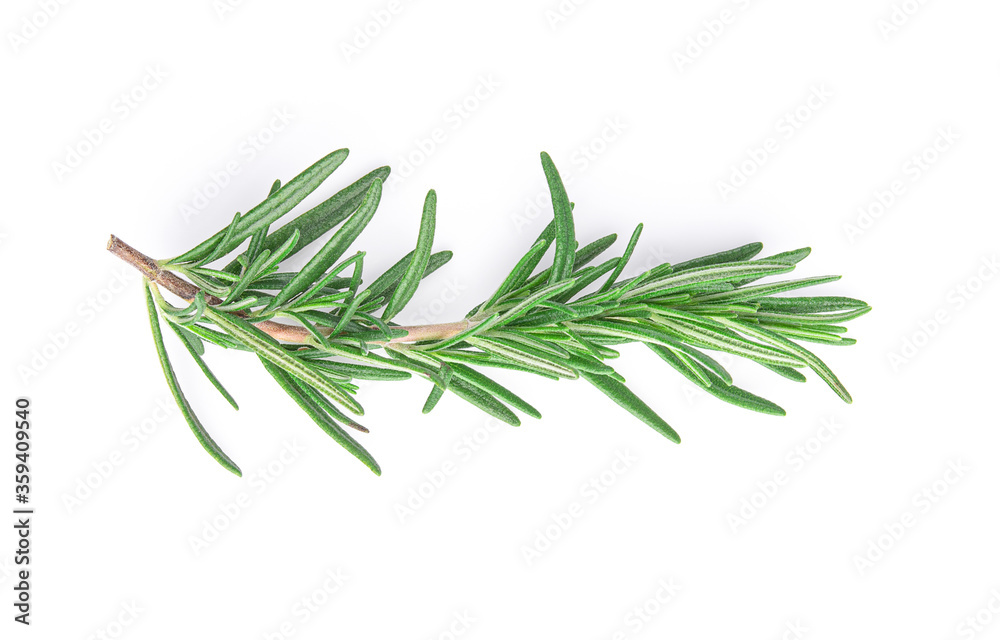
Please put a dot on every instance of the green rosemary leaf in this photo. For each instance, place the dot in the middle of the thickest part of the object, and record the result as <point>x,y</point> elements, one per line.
<point>584,277</point>
<point>791,258</point>
<point>679,314</point>
<point>587,253</point>
<point>256,268</point>
<point>626,330</point>
<point>325,302</point>
<point>492,360</point>
<point>348,313</point>
<point>809,335</point>
<point>318,416</point>
<point>267,347</point>
<point>432,398</point>
<point>732,394</point>
<point>711,363</point>
<point>757,292</point>
<point>585,344</point>
<point>779,341</point>
<point>544,318</point>
<point>562,263</point>
<point>738,254</point>
<point>276,281</point>
<point>385,284</point>
<point>311,328</point>
<point>524,358</point>
<point>279,254</point>
<point>808,319</point>
<point>275,206</point>
<point>474,328</point>
<point>487,384</point>
<point>581,258</point>
<point>256,244</point>
<point>738,346</point>
<point>418,263</point>
<point>377,322</point>
<point>214,273</point>
<point>627,400</point>
<point>218,252</point>
<point>787,372</point>
<point>712,273</point>
<point>529,345</point>
<point>484,401</point>
<point>519,274</point>
<point>361,371</point>
<point>618,291</point>
<point>582,361</point>
<point>780,322</point>
<point>323,283</point>
<point>620,265</point>
<point>527,304</point>
<point>328,407</point>
<point>631,311</point>
<point>203,365</point>
<point>686,365</point>
<point>326,215</point>
<point>333,249</point>
<point>197,428</point>
<point>274,187</point>
<point>190,338</point>
<point>221,339</point>
<point>816,304</point>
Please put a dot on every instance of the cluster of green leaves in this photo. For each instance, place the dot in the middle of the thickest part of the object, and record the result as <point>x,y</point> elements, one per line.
<point>558,321</point>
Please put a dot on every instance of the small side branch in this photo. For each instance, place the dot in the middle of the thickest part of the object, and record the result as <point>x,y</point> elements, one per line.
<point>277,330</point>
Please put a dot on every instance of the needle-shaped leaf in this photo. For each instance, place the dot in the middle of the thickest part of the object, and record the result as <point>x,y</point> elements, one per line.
<point>276,205</point>
<point>565,236</point>
<point>625,398</point>
<point>738,254</point>
<point>474,328</point>
<point>786,372</point>
<point>581,258</point>
<point>781,342</point>
<point>361,371</point>
<point>484,401</point>
<point>712,273</point>
<point>385,284</point>
<point>527,304</point>
<point>349,312</point>
<point>190,338</point>
<point>732,394</point>
<point>815,304</point>
<point>759,291</point>
<point>432,398</point>
<point>333,249</point>
<point>217,252</point>
<point>203,365</point>
<point>520,273</point>
<point>553,365</point>
<point>320,417</point>
<point>267,347</point>
<point>327,406</point>
<point>197,428</point>
<point>418,263</point>
<point>487,384</point>
<point>620,265</point>
<point>326,215</point>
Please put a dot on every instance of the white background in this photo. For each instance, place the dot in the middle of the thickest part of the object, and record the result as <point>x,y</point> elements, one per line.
<point>115,554</point>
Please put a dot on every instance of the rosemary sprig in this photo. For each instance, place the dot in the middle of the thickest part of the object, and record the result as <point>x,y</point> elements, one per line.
<point>315,330</point>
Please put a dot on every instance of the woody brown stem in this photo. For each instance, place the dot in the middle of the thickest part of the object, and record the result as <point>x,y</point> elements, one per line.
<point>277,330</point>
